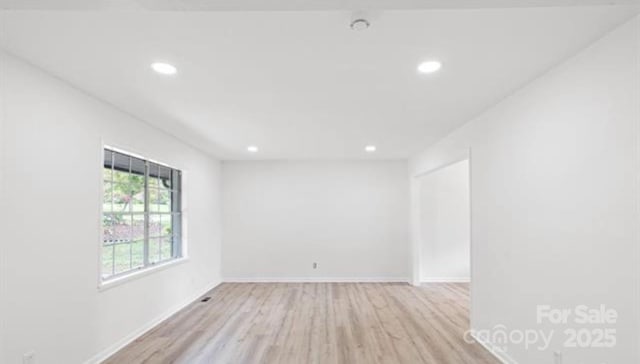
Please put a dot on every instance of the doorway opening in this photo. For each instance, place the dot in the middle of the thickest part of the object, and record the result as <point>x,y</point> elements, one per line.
<point>445,224</point>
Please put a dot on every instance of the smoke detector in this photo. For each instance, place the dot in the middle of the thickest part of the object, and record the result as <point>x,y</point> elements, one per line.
<point>360,24</point>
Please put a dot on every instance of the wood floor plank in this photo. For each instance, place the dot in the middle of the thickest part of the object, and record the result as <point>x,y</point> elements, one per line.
<point>315,323</point>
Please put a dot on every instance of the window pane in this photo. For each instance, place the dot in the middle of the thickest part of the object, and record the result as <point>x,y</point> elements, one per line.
<point>120,176</point>
<point>108,228</point>
<point>108,165</point>
<point>129,195</point>
<point>107,260</point>
<point>154,250</point>
<point>153,175</point>
<point>155,226</point>
<point>167,227</point>
<point>121,198</point>
<point>137,201</point>
<point>137,228</point>
<point>122,257</point>
<point>137,254</point>
<point>153,200</point>
<point>165,176</point>
<point>107,174</point>
<point>138,166</point>
<point>107,197</point>
<point>120,228</point>
<point>121,162</point>
<point>166,249</point>
<point>164,200</point>
<point>177,232</point>
<point>134,192</point>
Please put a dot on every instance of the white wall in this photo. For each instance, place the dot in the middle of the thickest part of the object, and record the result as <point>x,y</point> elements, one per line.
<point>445,224</point>
<point>3,254</point>
<point>555,198</point>
<point>52,140</point>
<point>349,217</point>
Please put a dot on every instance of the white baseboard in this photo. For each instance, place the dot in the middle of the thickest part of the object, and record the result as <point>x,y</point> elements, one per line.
<point>500,354</point>
<point>315,279</point>
<point>106,353</point>
<point>445,280</point>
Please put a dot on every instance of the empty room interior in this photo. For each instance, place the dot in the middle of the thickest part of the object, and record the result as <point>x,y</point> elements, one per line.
<point>320,181</point>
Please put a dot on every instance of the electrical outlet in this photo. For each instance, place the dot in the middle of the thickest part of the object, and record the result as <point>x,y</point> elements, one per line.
<point>557,357</point>
<point>29,358</point>
<point>315,265</point>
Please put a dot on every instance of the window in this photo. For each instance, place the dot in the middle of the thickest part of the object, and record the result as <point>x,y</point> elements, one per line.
<point>141,214</point>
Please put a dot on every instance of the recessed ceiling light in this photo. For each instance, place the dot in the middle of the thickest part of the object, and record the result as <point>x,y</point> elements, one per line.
<point>252,149</point>
<point>164,68</point>
<point>370,148</point>
<point>429,67</point>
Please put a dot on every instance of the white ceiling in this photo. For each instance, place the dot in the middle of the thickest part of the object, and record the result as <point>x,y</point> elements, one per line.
<point>301,84</point>
<point>280,5</point>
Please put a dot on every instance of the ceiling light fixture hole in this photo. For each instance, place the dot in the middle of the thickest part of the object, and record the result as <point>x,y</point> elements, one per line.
<point>360,24</point>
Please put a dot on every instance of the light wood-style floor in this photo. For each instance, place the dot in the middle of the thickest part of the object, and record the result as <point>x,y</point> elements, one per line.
<point>302,323</point>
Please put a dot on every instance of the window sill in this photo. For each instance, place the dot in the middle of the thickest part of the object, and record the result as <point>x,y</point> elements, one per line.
<point>108,284</point>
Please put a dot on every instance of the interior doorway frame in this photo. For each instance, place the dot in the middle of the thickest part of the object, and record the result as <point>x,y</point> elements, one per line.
<point>416,231</point>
